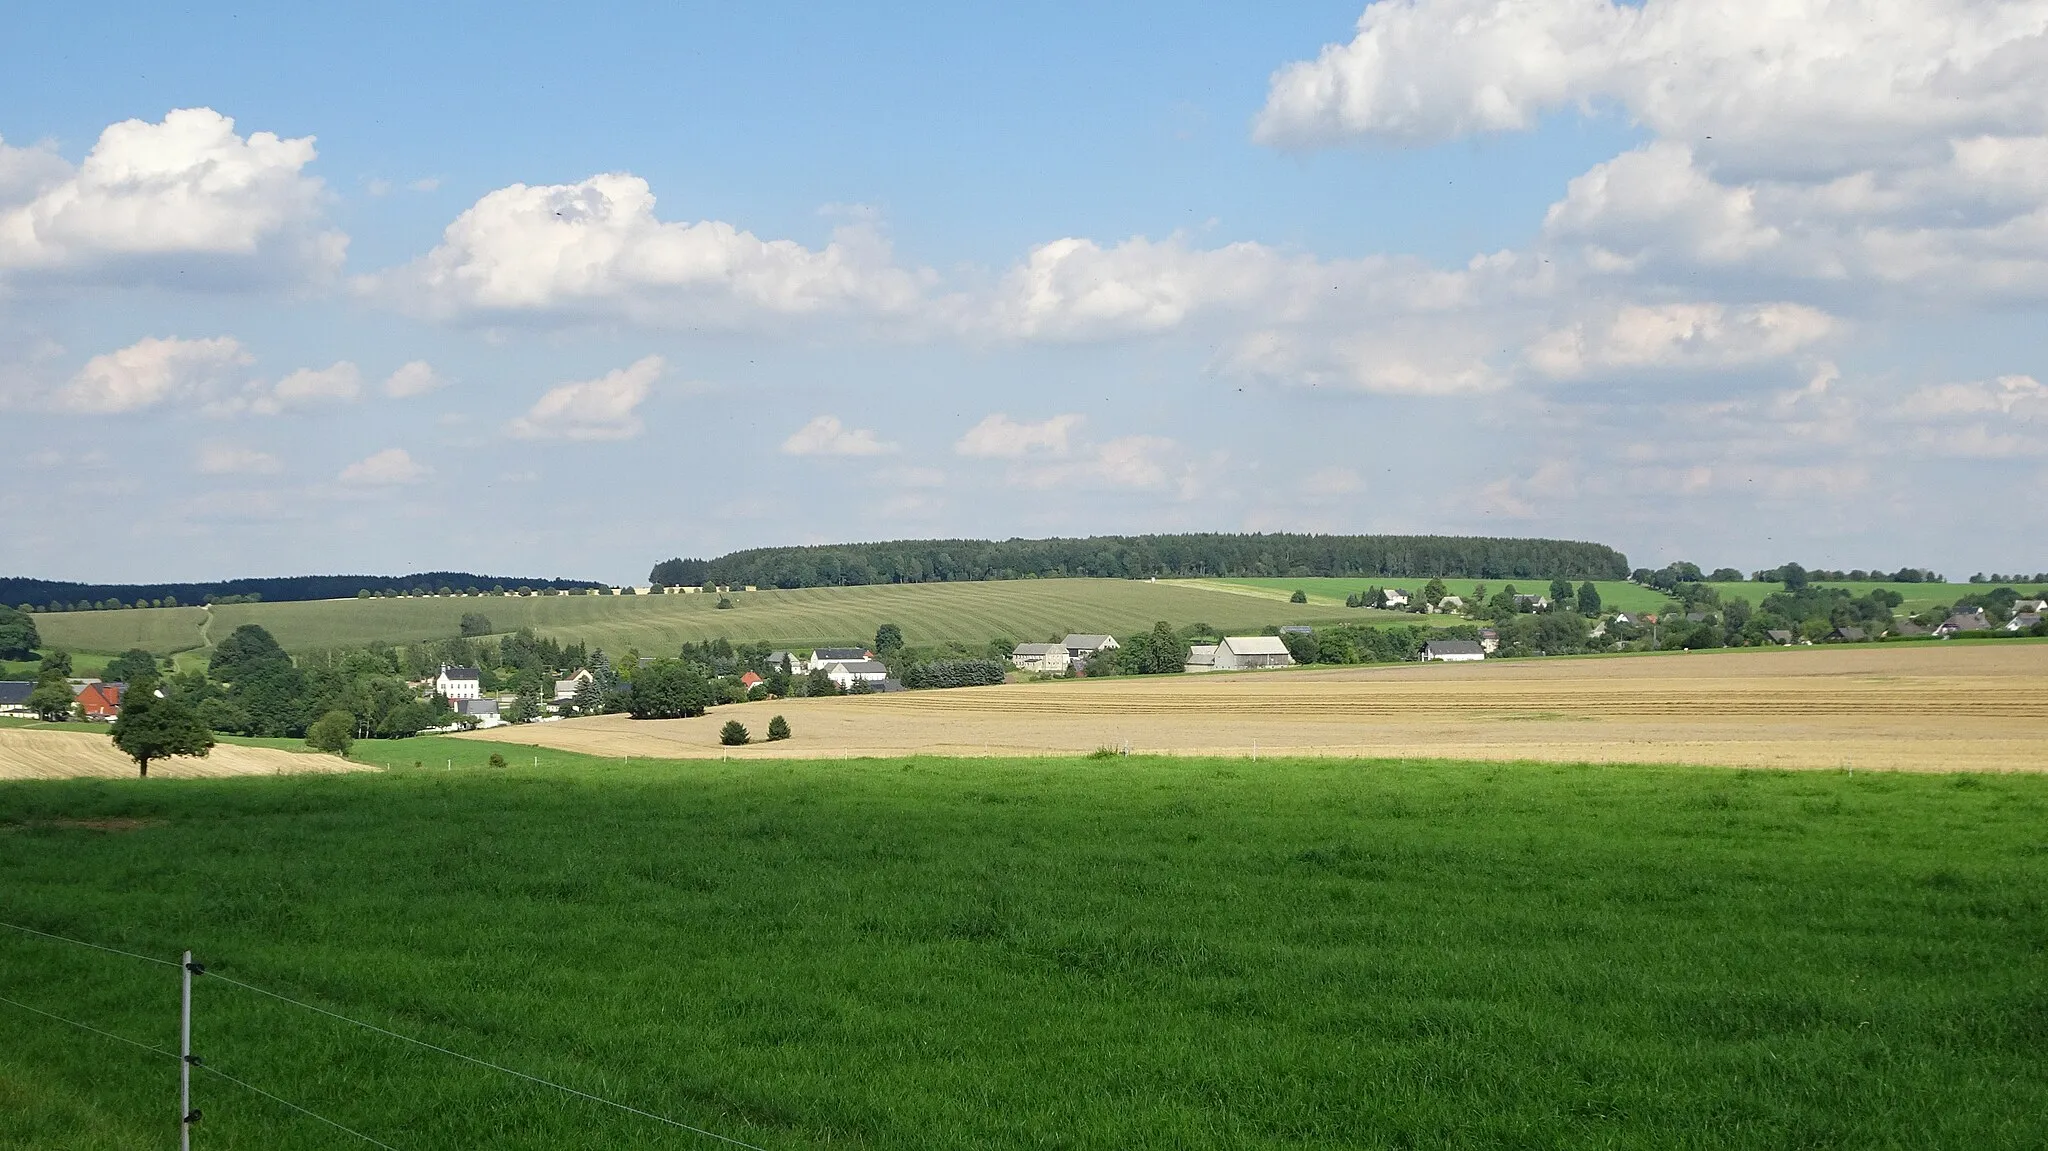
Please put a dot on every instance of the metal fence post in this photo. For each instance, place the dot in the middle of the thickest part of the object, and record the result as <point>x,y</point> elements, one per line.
<point>185,1058</point>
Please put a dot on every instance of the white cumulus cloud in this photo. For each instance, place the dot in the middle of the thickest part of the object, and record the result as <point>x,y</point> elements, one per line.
<point>1690,336</point>
<point>826,436</point>
<point>596,249</point>
<point>605,408</point>
<point>153,371</point>
<point>392,467</point>
<point>414,379</point>
<point>999,437</point>
<point>150,200</point>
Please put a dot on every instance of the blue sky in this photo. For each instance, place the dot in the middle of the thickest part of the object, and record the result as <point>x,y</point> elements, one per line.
<point>505,289</point>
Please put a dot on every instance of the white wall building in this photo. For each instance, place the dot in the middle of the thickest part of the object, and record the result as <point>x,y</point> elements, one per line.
<point>1452,651</point>
<point>1080,647</point>
<point>458,683</point>
<point>1201,657</point>
<point>846,673</point>
<point>1251,652</point>
<point>1044,658</point>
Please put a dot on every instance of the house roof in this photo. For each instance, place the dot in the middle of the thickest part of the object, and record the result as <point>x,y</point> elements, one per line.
<point>1089,642</point>
<point>1297,629</point>
<point>1849,632</point>
<point>1037,648</point>
<point>1779,634</point>
<point>477,706</point>
<point>862,666</point>
<point>1453,647</point>
<point>1202,653</point>
<point>461,672</point>
<point>107,695</point>
<point>751,678</point>
<point>1254,645</point>
<point>15,692</point>
<point>1964,623</point>
<point>2026,619</point>
<point>838,654</point>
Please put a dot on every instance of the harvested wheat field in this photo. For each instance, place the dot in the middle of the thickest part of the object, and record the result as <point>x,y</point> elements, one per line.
<point>32,754</point>
<point>1919,707</point>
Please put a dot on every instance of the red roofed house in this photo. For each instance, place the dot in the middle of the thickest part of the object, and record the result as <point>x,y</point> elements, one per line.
<point>101,700</point>
<point>750,681</point>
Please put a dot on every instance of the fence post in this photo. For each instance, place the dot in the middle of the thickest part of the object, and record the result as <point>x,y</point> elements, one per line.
<point>185,1113</point>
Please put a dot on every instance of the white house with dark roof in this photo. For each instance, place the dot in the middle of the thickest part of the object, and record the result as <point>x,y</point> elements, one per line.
<point>1080,647</point>
<point>1452,651</point>
<point>848,672</point>
<point>1045,658</point>
<point>831,655</point>
<point>14,695</point>
<point>2023,621</point>
<point>1251,653</point>
<point>457,683</point>
<point>1962,622</point>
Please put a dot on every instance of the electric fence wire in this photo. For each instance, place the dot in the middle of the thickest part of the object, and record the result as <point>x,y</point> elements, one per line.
<point>94,946</point>
<point>201,1064</point>
<point>211,974</point>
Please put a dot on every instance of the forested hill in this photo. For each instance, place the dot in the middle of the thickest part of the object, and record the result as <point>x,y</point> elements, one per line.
<point>1138,557</point>
<point>47,594</point>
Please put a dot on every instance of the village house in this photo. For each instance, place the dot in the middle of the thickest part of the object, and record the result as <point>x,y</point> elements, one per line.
<point>1848,635</point>
<point>14,695</point>
<point>1393,597</point>
<point>2030,607</point>
<point>1041,658</point>
<point>1910,629</point>
<point>831,655</point>
<point>1250,653</point>
<point>102,700</point>
<point>566,689</point>
<point>483,709</point>
<point>1489,641</point>
<point>848,672</point>
<point>1962,622</point>
<point>751,680</point>
<point>1452,651</point>
<point>1080,647</point>
<point>790,662</point>
<point>1531,603</point>
<point>1450,603</point>
<point>454,683</point>
<point>1625,619</point>
<point>2023,621</point>
<point>1779,636</point>
<point>1201,657</point>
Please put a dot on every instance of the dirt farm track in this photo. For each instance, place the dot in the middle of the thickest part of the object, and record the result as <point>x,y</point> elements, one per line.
<point>1914,707</point>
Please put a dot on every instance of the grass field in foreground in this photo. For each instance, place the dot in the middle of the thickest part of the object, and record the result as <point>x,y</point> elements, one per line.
<point>1043,953</point>
<point>1615,595</point>
<point>972,613</point>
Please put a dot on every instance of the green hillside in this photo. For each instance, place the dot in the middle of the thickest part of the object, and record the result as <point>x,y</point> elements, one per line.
<point>931,613</point>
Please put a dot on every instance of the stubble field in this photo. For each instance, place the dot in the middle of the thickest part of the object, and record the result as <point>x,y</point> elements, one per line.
<point>40,753</point>
<point>1913,707</point>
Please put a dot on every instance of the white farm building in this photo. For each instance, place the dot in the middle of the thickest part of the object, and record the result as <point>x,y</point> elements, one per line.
<point>1240,653</point>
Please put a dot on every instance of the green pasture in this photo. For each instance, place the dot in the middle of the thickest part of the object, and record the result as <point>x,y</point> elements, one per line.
<point>1113,953</point>
<point>933,613</point>
<point>1615,595</point>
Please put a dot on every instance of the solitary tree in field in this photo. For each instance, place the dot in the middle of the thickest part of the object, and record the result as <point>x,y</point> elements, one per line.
<point>734,734</point>
<point>151,728</point>
<point>778,728</point>
<point>18,638</point>
<point>1299,596</point>
<point>475,623</point>
<point>334,732</point>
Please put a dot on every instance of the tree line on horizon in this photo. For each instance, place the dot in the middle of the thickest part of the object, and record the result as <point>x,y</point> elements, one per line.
<point>1193,555</point>
<point>59,595</point>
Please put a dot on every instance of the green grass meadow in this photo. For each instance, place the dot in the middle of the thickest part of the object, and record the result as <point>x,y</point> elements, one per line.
<point>1615,595</point>
<point>1041,953</point>
<point>972,613</point>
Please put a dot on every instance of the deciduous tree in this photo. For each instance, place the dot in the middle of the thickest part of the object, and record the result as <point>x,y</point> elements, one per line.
<point>150,728</point>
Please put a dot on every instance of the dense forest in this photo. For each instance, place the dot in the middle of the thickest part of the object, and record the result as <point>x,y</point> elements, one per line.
<point>55,595</point>
<point>1138,557</point>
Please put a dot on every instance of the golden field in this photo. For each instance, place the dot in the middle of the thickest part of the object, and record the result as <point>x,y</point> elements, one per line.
<point>28,753</point>
<point>1909,707</point>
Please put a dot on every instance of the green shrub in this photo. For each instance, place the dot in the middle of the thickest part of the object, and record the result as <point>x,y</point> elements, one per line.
<point>734,734</point>
<point>1299,596</point>
<point>497,760</point>
<point>334,732</point>
<point>778,728</point>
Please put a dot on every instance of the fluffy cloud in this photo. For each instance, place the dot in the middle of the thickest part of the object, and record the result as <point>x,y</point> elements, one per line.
<point>231,460</point>
<point>309,387</point>
<point>1000,437</point>
<point>152,371</point>
<point>826,436</point>
<point>1808,86</point>
<point>414,379</point>
<point>596,248</point>
<point>1691,336</point>
<point>1901,141</point>
<point>392,467</point>
<point>602,409</point>
<point>182,195</point>
<point>1984,419</point>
